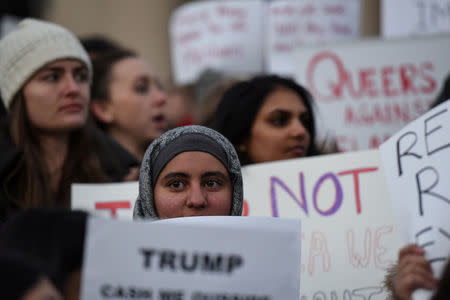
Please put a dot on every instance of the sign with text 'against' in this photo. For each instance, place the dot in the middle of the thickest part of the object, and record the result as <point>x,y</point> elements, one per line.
<point>192,258</point>
<point>366,91</point>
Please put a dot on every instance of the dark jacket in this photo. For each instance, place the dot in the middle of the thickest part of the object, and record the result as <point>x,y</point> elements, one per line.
<point>114,160</point>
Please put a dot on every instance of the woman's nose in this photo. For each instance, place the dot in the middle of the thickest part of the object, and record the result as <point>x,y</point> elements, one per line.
<point>197,197</point>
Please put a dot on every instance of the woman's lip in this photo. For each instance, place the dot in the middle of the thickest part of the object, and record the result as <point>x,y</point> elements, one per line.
<point>73,107</point>
<point>297,150</point>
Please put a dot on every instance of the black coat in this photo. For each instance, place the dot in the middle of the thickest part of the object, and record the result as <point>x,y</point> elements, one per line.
<point>114,160</point>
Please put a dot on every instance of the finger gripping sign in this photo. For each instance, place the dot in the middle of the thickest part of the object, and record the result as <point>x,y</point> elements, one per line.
<point>419,155</point>
<point>202,258</point>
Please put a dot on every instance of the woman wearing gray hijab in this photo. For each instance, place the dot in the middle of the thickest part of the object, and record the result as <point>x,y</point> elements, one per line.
<point>189,171</point>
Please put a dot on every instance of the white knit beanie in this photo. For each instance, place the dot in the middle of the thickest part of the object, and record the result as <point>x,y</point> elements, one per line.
<point>28,48</point>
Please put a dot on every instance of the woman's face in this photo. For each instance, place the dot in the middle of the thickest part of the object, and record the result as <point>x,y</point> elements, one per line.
<point>43,290</point>
<point>193,184</point>
<point>136,101</point>
<point>57,96</point>
<point>278,131</point>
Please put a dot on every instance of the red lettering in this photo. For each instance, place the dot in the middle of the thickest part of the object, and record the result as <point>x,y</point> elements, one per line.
<point>386,72</point>
<point>334,9</point>
<point>319,250</point>
<point>356,259</point>
<point>355,174</point>
<point>431,82</point>
<point>336,88</point>
<point>367,84</point>
<point>407,74</point>
<point>379,250</point>
<point>245,210</point>
<point>113,206</point>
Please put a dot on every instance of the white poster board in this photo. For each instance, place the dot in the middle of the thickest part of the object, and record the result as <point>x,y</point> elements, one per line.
<point>366,91</point>
<point>110,200</point>
<point>414,17</point>
<point>257,258</point>
<point>225,35</point>
<point>349,234</point>
<point>295,23</point>
<point>419,157</point>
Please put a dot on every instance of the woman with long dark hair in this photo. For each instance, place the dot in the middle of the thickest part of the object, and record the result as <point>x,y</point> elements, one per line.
<point>46,145</point>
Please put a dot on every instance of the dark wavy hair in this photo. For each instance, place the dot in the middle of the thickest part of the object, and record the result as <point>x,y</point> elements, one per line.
<point>241,103</point>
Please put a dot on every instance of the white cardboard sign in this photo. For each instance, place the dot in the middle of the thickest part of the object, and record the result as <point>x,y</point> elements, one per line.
<point>418,157</point>
<point>111,200</point>
<point>296,23</point>
<point>366,91</point>
<point>349,234</point>
<point>226,35</point>
<point>192,260</point>
<point>418,17</point>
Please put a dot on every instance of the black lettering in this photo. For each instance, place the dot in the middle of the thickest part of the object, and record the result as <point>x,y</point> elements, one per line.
<point>429,189</point>
<point>400,154</point>
<point>434,129</point>
<point>184,262</point>
<point>167,259</point>
<point>148,253</point>
<point>234,261</point>
<point>105,291</point>
<point>171,295</point>
<point>212,263</point>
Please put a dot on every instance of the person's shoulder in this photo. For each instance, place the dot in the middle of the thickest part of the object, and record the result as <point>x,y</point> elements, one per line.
<point>115,160</point>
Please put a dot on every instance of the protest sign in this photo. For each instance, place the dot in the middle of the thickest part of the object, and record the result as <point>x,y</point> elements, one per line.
<point>226,35</point>
<point>111,200</point>
<point>418,157</point>
<point>257,258</point>
<point>349,234</point>
<point>366,91</point>
<point>418,17</point>
<point>291,24</point>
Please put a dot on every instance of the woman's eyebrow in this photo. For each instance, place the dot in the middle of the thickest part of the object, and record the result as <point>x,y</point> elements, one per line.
<point>175,174</point>
<point>214,174</point>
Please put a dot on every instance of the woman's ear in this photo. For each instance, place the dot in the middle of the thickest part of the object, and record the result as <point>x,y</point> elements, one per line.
<point>102,110</point>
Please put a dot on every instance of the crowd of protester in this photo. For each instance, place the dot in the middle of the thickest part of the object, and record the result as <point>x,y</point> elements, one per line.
<point>95,111</point>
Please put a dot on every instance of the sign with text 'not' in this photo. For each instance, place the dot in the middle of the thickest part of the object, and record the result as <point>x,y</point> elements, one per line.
<point>349,233</point>
<point>192,258</point>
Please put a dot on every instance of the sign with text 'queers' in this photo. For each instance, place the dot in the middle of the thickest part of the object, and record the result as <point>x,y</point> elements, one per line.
<point>366,91</point>
<point>193,258</point>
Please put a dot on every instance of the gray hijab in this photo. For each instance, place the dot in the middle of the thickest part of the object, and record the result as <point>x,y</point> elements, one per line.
<point>174,142</point>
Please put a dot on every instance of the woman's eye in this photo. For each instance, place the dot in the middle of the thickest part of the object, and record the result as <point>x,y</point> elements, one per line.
<point>176,185</point>
<point>212,184</point>
<point>81,76</point>
<point>52,77</point>
<point>141,88</point>
<point>279,121</point>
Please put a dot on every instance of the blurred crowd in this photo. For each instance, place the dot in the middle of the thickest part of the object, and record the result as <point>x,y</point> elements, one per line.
<point>94,111</point>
